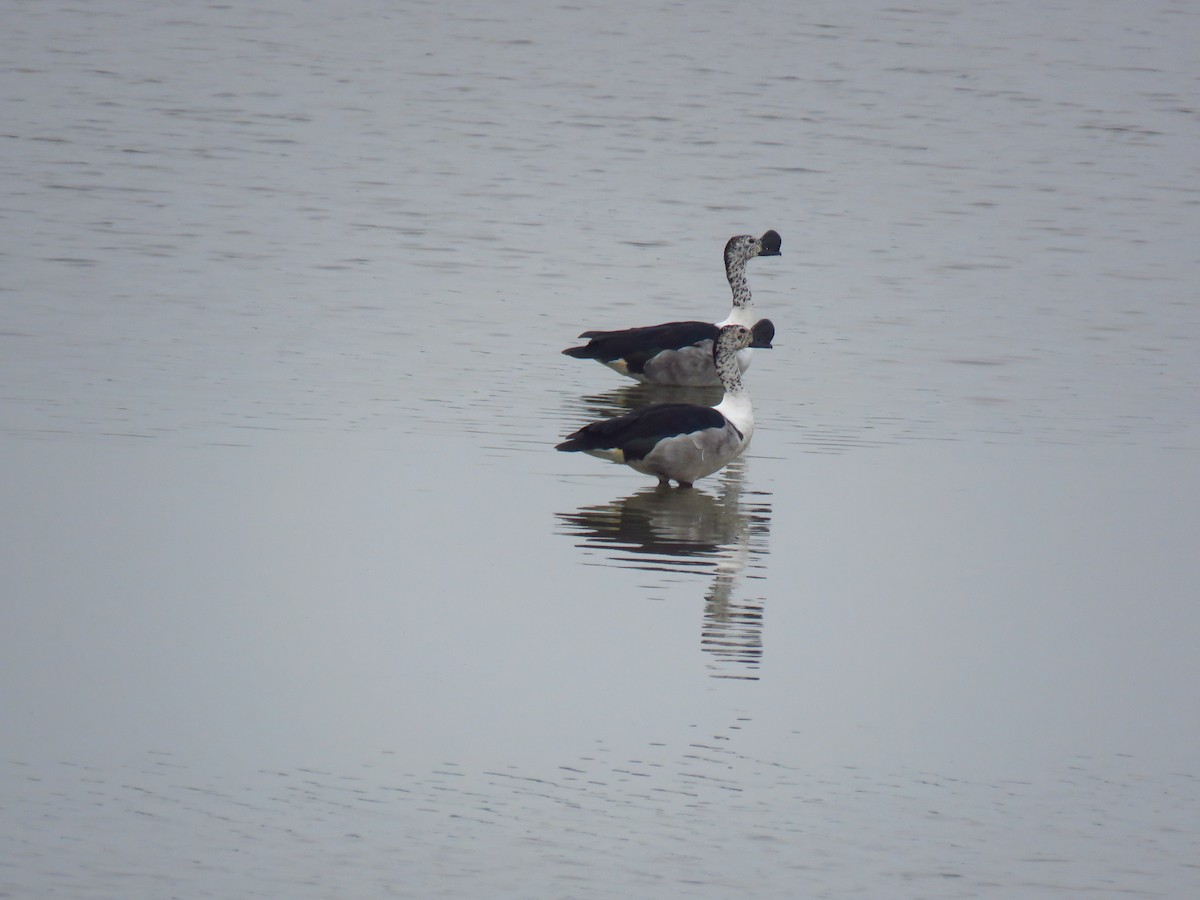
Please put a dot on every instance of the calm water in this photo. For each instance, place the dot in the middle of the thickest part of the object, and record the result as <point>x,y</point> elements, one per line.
<point>299,601</point>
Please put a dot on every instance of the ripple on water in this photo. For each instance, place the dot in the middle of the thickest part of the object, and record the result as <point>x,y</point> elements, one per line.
<point>699,818</point>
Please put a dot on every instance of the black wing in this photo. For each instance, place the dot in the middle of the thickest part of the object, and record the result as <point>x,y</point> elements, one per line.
<point>637,433</point>
<point>637,346</point>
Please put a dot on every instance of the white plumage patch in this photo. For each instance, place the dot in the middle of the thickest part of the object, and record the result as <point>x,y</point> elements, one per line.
<point>616,455</point>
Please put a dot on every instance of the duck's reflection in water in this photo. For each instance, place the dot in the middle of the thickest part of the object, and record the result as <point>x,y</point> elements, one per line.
<point>627,398</point>
<point>695,533</point>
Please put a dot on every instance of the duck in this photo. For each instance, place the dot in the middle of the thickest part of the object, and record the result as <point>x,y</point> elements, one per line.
<point>680,442</point>
<point>681,353</point>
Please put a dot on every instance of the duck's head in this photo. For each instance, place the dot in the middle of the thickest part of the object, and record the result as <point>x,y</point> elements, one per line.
<point>743,247</point>
<point>762,334</point>
<point>733,338</point>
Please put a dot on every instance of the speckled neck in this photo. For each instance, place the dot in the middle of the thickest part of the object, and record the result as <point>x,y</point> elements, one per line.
<point>739,250</point>
<point>735,271</point>
<point>725,359</point>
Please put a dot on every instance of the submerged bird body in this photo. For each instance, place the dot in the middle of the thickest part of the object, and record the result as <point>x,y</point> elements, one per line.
<point>681,353</point>
<point>680,442</point>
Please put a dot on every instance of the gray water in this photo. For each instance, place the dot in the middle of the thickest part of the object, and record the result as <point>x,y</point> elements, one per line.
<point>299,601</point>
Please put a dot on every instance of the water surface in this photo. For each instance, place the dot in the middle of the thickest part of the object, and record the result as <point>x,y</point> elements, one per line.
<point>299,600</point>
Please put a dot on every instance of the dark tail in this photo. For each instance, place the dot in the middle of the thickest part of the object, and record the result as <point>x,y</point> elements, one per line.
<point>603,435</point>
<point>589,437</point>
<point>586,352</point>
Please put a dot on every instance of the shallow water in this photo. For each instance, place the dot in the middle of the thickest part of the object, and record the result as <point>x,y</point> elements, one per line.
<point>299,599</point>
